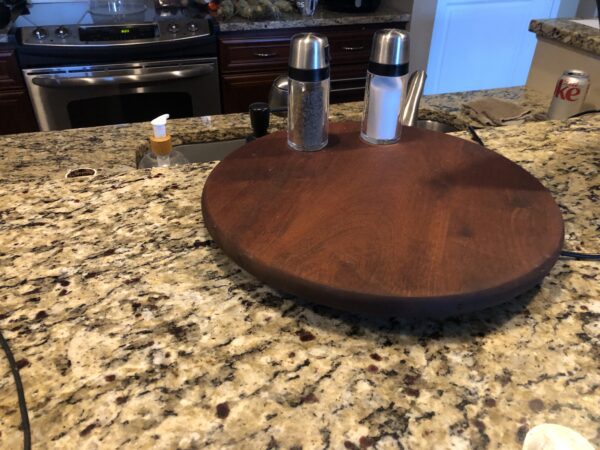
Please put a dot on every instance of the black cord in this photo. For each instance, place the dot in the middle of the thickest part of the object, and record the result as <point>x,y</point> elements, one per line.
<point>474,135</point>
<point>583,113</point>
<point>581,256</point>
<point>20,393</point>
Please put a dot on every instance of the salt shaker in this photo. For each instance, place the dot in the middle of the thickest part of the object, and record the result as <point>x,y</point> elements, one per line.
<point>386,85</point>
<point>308,103</point>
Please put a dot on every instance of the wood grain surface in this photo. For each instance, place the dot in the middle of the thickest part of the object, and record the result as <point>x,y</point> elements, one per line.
<point>431,226</point>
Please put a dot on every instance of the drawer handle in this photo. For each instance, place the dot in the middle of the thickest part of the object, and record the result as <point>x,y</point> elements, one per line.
<point>361,79</point>
<point>353,49</point>
<point>360,88</point>
<point>265,55</point>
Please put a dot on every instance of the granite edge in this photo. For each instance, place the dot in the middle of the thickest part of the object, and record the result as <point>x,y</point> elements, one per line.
<point>568,33</point>
<point>239,24</point>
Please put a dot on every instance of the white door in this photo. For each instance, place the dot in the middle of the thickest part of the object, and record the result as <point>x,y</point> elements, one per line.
<point>483,44</point>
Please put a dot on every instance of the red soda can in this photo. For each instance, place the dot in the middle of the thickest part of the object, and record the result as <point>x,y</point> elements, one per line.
<point>569,94</point>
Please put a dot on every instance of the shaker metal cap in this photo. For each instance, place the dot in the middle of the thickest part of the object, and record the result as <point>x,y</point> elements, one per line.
<point>309,51</point>
<point>390,52</point>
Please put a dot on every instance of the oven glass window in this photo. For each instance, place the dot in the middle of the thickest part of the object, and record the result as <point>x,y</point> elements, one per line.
<point>114,109</point>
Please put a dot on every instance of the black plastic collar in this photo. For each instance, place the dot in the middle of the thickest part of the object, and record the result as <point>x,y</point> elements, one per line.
<point>388,70</point>
<point>310,75</point>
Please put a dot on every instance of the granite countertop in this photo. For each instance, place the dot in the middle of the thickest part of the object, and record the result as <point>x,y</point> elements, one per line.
<point>322,17</point>
<point>36,156</point>
<point>133,330</point>
<point>568,33</point>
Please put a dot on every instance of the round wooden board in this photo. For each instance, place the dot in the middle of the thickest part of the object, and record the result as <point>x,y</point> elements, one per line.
<point>431,226</point>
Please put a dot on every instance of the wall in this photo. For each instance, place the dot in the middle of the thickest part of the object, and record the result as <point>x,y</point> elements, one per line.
<point>421,29</point>
<point>587,9</point>
<point>422,24</point>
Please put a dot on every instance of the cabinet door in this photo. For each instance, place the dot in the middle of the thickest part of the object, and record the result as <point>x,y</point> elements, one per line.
<point>242,89</point>
<point>16,115</point>
<point>10,75</point>
<point>483,44</point>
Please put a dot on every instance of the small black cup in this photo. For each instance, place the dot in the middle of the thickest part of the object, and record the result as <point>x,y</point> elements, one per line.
<point>259,118</point>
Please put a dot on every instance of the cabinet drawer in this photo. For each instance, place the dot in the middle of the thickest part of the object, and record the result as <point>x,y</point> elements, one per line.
<point>348,83</point>
<point>269,50</point>
<point>10,75</point>
<point>351,47</point>
<point>252,54</point>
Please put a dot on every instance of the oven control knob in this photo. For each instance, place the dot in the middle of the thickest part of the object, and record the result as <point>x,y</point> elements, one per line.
<point>40,34</point>
<point>193,27</point>
<point>173,28</point>
<point>62,32</point>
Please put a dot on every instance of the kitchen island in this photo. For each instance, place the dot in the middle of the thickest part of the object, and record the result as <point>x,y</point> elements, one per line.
<point>565,44</point>
<point>43,156</point>
<point>133,330</point>
<point>569,32</point>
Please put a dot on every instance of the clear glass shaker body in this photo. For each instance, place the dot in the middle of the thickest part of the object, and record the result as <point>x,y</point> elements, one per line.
<point>175,158</point>
<point>384,97</point>
<point>308,114</point>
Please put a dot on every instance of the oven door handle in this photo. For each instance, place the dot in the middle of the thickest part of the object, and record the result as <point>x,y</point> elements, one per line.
<point>57,81</point>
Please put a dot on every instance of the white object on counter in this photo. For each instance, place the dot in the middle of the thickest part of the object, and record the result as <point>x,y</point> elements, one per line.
<point>159,125</point>
<point>162,153</point>
<point>385,100</point>
<point>386,81</point>
<point>549,436</point>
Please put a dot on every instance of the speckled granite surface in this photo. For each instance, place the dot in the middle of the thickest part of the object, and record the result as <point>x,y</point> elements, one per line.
<point>322,17</point>
<point>38,156</point>
<point>568,33</point>
<point>132,330</point>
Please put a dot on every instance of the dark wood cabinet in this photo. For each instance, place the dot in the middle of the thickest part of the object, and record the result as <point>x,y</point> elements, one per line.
<point>10,75</point>
<point>16,113</point>
<point>241,89</point>
<point>250,53</point>
<point>251,60</point>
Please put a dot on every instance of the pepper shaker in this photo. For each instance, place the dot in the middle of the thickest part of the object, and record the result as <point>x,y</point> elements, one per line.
<point>308,103</point>
<point>386,86</point>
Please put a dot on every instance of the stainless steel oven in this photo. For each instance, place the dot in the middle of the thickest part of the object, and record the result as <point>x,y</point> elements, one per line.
<point>81,96</point>
<point>95,69</point>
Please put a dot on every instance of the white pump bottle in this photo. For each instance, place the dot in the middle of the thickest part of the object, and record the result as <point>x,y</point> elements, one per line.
<point>161,153</point>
